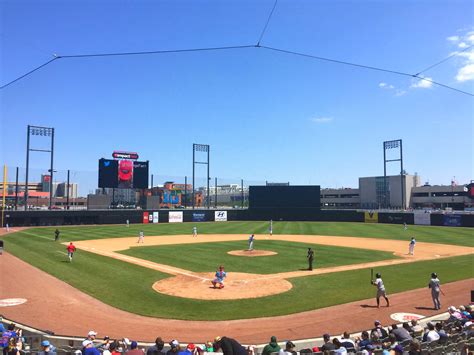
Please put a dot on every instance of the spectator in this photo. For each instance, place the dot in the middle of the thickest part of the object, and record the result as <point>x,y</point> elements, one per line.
<point>289,349</point>
<point>347,342</point>
<point>174,347</point>
<point>156,349</point>
<point>391,343</point>
<point>400,333</point>
<point>13,347</point>
<point>134,349</point>
<point>364,343</point>
<point>229,346</point>
<point>327,346</point>
<point>379,329</point>
<point>443,337</point>
<point>341,350</point>
<point>454,314</point>
<point>91,336</point>
<point>271,347</point>
<point>105,346</point>
<point>187,350</point>
<point>208,347</point>
<point>415,347</point>
<point>417,329</point>
<point>409,329</point>
<point>431,334</point>
<point>113,348</point>
<point>88,348</point>
<point>2,328</point>
<point>464,313</point>
<point>47,348</point>
<point>7,335</point>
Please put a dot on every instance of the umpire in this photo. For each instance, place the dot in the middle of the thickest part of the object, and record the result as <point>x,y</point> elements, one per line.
<point>310,258</point>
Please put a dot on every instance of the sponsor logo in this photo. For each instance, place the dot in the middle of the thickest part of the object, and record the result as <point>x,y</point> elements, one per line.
<point>220,216</point>
<point>371,217</point>
<point>199,217</point>
<point>106,163</point>
<point>405,317</point>
<point>125,155</point>
<point>9,302</point>
<point>175,217</point>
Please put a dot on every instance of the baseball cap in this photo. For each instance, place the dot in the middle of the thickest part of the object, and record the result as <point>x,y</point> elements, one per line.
<point>174,343</point>
<point>315,349</point>
<point>377,322</point>
<point>45,343</point>
<point>92,333</point>
<point>326,336</point>
<point>86,342</point>
<point>452,309</point>
<point>191,346</point>
<point>290,344</point>
<point>133,344</point>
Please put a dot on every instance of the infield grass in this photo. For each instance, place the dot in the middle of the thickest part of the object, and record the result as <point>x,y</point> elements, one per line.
<point>205,257</point>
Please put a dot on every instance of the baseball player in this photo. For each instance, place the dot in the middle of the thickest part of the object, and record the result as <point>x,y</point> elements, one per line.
<point>128,223</point>
<point>195,231</point>
<point>380,289</point>
<point>251,239</point>
<point>411,247</point>
<point>56,235</point>
<point>310,258</point>
<point>141,237</point>
<point>270,230</point>
<point>435,290</point>
<point>70,251</point>
<point>405,227</point>
<point>219,277</point>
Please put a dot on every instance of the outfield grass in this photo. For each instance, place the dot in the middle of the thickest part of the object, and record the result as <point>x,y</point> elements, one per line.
<point>205,257</point>
<point>128,286</point>
<point>430,234</point>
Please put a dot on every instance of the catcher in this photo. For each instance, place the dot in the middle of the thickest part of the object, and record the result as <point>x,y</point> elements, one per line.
<point>219,278</point>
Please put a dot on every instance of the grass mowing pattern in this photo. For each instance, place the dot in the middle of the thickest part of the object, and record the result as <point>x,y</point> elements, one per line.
<point>430,234</point>
<point>205,257</point>
<point>128,287</point>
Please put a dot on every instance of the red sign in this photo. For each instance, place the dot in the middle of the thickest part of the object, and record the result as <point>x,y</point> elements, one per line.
<point>125,155</point>
<point>145,217</point>
<point>46,178</point>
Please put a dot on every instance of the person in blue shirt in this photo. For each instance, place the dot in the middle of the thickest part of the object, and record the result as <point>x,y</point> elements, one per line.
<point>219,277</point>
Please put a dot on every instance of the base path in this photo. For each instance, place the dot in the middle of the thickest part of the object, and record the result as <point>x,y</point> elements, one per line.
<point>56,306</point>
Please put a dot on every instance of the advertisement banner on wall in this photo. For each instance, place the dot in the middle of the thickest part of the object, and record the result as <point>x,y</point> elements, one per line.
<point>220,216</point>
<point>199,217</point>
<point>371,217</point>
<point>422,218</point>
<point>452,220</point>
<point>145,217</point>
<point>155,217</point>
<point>175,217</point>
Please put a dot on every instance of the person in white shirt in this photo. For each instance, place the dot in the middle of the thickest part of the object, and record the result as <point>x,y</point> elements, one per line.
<point>431,334</point>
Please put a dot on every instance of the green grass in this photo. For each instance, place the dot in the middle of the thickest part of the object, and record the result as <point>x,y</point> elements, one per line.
<point>128,286</point>
<point>430,234</point>
<point>205,257</point>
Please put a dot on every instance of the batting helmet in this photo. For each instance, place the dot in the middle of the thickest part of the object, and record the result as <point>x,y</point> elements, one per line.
<point>434,275</point>
<point>378,275</point>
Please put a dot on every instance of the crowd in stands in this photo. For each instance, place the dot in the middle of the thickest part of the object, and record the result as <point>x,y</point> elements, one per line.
<point>453,335</point>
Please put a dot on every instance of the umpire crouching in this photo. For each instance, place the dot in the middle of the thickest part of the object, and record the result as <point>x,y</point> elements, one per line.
<point>229,346</point>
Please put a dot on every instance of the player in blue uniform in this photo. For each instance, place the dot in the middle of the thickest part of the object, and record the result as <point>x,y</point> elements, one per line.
<point>219,277</point>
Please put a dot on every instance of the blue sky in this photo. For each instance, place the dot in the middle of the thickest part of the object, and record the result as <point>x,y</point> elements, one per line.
<point>267,115</point>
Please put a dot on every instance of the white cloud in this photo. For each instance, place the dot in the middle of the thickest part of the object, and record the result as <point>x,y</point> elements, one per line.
<point>382,85</point>
<point>466,73</point>
<point>453,38</point>
<point>390,87</point>
<point>422,84</point>
<point>462,45</point>
<point>322,119</point>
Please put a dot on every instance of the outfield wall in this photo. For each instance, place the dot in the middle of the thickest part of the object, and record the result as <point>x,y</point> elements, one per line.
<point>52,218</point>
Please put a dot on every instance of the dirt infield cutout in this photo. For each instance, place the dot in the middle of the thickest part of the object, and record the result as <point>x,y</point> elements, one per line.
<point>188,284</point>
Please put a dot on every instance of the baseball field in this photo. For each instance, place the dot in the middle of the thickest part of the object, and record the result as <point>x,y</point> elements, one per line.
<point>168,276</point>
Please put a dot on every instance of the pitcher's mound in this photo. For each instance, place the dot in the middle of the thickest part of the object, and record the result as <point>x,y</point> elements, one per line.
<point>252,252</point>
<point>237,285</point>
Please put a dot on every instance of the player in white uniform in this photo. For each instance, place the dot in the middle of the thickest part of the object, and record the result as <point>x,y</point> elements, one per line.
<point>411,247</point>
<point>128,223</point>
<point>435,290</point>
<point>195,232</point>
<point>141,237</point>
<point>405,227</point>
<point>270,230</point>
<point>251,238</point>
<point>380,289</point>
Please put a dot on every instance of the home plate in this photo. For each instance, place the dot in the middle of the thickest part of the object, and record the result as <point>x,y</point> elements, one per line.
<point>9,302</point>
